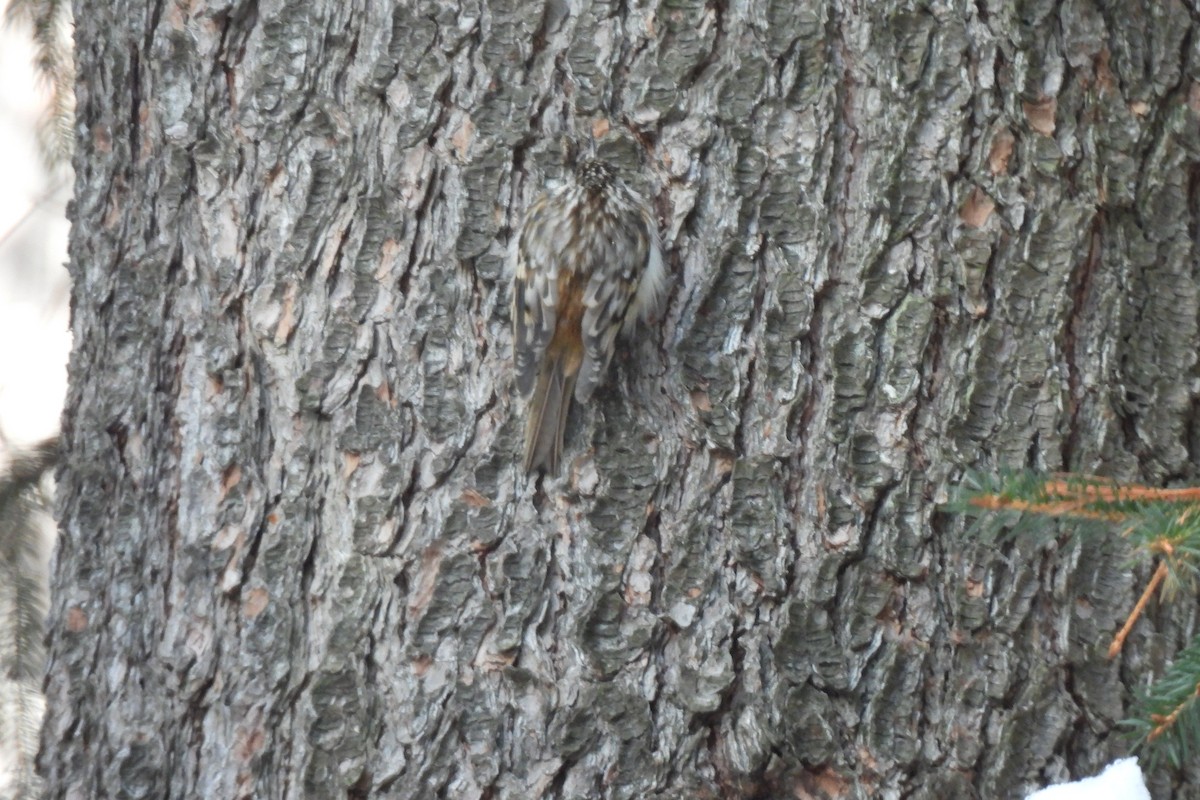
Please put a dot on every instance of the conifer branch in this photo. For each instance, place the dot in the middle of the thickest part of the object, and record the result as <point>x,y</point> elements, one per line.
<point>1160,524</point>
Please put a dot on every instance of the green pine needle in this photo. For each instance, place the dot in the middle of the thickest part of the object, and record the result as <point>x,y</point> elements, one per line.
<point>1161,525</point>
<point>1168,725</point>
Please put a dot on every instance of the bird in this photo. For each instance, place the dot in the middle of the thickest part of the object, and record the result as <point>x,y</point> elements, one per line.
<point>587,264</point>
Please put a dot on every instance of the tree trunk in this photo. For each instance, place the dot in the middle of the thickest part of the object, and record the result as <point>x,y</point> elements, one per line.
<point>299,557</point>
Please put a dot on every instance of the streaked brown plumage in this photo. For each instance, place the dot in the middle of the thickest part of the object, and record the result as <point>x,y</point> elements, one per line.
<point>586,264</point>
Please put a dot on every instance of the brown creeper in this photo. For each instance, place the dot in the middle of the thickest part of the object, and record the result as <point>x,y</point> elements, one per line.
<point>586,264</point>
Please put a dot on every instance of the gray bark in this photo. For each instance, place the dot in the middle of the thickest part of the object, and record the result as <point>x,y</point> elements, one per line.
<point>298,556</point>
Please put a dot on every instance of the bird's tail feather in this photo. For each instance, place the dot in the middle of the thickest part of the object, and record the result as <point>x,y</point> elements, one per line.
<point>548,417</point>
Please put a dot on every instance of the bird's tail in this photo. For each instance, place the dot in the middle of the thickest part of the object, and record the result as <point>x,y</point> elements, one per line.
<point>548,416</point>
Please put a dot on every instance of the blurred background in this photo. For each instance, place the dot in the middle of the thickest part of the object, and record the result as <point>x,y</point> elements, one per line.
<point>35,184</point>
<point>34,335</point>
